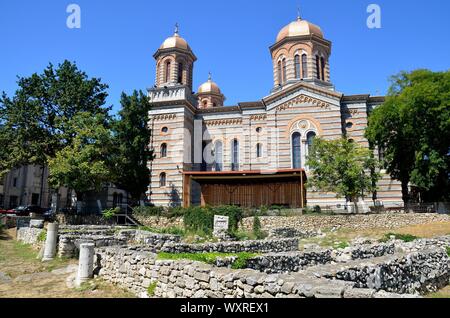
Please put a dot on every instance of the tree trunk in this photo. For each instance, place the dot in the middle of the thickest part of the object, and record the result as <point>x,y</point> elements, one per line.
<point>405,193</point>
<point>80,196</point>
<point>355,203</point>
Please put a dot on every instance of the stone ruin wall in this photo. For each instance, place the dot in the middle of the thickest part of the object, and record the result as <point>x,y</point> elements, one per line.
<point>136,270</point>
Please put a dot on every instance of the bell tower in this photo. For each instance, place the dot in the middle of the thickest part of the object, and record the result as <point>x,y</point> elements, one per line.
<point>301,53</point>
<point>174,62</point>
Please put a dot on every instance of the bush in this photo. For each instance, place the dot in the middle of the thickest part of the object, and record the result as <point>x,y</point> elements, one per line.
<point>42,236</point>
<point>151,289</point>
<point>404,237</point>
<point>448,251</point>
<point>110,213</point>
<point>234,213</point>
<point>199,219</point>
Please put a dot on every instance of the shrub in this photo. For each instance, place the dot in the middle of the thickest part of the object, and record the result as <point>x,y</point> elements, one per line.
<point>234,213</point>
<point>110,213</point>
<point>317,209</point>
<point>242,260</point>
<point>448,251</point>
<point>199,219</point>
<point>151,289</point>
<point>42,236</point>
<point>403,237</point>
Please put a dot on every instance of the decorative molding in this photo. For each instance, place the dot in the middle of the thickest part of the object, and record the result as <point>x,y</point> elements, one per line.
<point>165,117</point>
<point>303,99</point>
<point>223,122</point>
<point>258,117</point>
<point>351,112</point>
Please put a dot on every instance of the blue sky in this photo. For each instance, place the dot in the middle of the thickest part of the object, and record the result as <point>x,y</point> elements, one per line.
<point>230,38</point>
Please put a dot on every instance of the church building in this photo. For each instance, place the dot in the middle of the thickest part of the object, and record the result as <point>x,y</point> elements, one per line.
<point>253,153</point>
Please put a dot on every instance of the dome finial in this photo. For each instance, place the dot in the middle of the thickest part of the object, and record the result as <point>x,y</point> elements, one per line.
<point>209,76</point>
<point>176,28</point>
<point>298,13</point>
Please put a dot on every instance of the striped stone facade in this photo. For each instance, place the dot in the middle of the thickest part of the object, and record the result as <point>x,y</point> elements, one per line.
<point>189,135</point>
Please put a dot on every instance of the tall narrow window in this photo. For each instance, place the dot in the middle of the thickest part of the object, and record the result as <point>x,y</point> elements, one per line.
<point>309,140</point>
<point>317,67</point>
<point>235,155</point>
<point>259,150</point>
<point>322,65</point>
<point>162,179</point>
<point>284,71</point>
<point>167,75</point>
<point>218,155</point>
<point>280,76</point>
<point>163,150</point>
<point>296,151</point>
<point>297,66</point>
<point>304,66</point>
<point>180,73</point>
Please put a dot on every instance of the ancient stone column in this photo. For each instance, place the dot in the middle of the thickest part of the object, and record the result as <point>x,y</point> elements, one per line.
<point>85,263</point>
<point>50,242</point>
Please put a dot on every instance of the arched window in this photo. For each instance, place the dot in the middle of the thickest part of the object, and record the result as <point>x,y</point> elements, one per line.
<point>296,151</point>
<point>322,64</point>
<point>318,66</point>
<point>205,103</point>
<point>284,71</point>
<point>218,155</point>
<point>280,76</point>
<point>297,66</point>
<point>180,73</point>
<point>309,140</point>
<point>235,155</point>
<point>162,179</point>
<point>167,75</point>
<point>304,66</point>
<point>259,150</point>
<point>163,150</point>
<point>115,199</point>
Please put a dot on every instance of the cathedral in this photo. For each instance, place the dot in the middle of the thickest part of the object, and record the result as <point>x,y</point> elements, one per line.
<point>254,153</point>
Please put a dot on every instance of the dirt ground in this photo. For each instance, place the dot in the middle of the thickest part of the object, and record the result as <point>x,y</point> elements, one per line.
<point>22,275</point>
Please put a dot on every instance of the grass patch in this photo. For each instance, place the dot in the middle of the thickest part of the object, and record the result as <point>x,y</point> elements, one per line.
<point>151,289</point>
<point>342,245</point>
<point>170,230</point>
<point>403,237</point>
<point>209,258</point>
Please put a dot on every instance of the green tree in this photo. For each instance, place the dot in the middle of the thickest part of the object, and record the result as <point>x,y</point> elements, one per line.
<point>83,164</point>
<point>36,120</point>
<point>342,167</point>
<point>413,127</point>
<point>131,138</point>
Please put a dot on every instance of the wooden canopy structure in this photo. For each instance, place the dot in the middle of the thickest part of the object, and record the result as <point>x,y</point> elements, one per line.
<point>245,188</point>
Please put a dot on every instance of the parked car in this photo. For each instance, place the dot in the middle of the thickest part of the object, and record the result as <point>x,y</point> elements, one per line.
<point>49,215</point>
<point>26,210</point>
<point>3,211</point>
